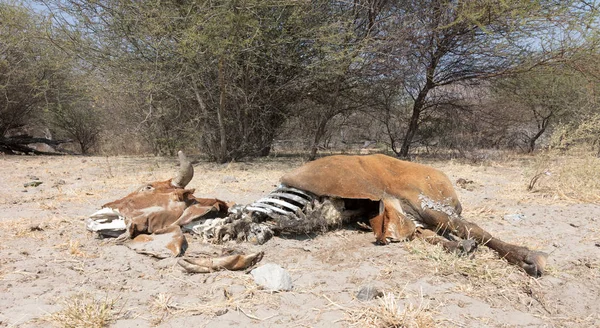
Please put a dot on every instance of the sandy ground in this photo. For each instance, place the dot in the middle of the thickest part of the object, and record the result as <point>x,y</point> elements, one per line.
<point>51,268</point>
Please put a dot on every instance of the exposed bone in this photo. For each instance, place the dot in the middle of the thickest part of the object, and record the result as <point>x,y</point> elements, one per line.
<point>186,172</point>
<point>290,196</point>
<point>280,202</point>
<point>207,229</point>
<point>270,208</point>
<point>107,222</point>
<point>445,207</point>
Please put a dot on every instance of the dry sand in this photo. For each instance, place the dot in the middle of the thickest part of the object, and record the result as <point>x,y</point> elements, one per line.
<point>51,268</point>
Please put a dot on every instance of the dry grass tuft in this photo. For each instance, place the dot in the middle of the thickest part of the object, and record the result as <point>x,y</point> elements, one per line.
<point>483,266</point>
<point>73,247</point>
<point>162,305</point>
<point>486,276</point>
<point>251,297</point>
<point>567,177</point>
<point>83,310</point>
<point>393,311</point>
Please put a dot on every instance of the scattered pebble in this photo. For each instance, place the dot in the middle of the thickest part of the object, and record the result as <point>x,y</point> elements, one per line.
<point>465,184</point>
<point>272,277</point>
<point>36,227</point>
<point>367,293</point>
<point>59,183</point>
<point>229,179</point>
<point>32,184</point>
<point>514,217</point>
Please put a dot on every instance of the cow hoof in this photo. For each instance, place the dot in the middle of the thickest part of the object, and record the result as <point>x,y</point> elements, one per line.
<point>466,247</point>
<point>534,263</point>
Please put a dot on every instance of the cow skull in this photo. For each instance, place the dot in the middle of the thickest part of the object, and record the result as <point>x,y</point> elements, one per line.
<point>150,219</point>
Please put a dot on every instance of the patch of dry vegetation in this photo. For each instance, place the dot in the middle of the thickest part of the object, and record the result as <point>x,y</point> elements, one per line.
<point>573,178</point>
<point>162,305</point>
<point>483,275</point>
<point>213,304</point>
<point>85,311</point>
<point>393,311</point>
<point>74,248</point>
<point>23,228</point>
<point>482,266</point>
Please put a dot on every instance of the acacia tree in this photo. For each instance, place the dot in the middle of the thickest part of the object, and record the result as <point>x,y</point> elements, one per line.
<point>433,45</point>
<point>24,67</point>
<point>33,73</point>
<point>72,110</point>
<point>226,73</point>
<point>544,97</point>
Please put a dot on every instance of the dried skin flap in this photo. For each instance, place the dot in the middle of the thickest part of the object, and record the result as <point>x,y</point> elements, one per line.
<point>374,177</point>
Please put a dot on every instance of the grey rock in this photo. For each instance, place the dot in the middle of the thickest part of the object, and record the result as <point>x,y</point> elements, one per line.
<point>272,277</point>
<point>514,218</point>
<point>32,184</point>
<point>367,293</point>
<point>59,183</point>
<point>229,179</point>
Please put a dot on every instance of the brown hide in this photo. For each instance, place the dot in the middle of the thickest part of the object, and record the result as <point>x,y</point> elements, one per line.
<point>155,212</point>
<point>170,206</point>
<point>374,177</point>
<point>160,208</point>
<point>405,190</point>
<point>399,185</point>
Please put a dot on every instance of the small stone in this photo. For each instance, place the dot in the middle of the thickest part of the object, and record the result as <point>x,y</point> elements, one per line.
<point>367,293</point>
<point>59,183</point>
<point>229,179</point>
<point>597,244</point>
<point>514,217</point>
<point>272,277</point>
<point>36,227</point>
<point>221,312</point>
<point>465,184</point>
<point>575,225</point>
<point>32,184</point>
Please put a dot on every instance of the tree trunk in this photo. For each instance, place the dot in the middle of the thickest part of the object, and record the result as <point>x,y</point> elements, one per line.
<point>222,152</point>
<point>413,125</point>
<point>542,129</point>
<point>318,135</point>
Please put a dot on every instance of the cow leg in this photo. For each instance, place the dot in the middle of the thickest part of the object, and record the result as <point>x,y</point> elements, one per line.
<point>462,247</point>
<point>533,262</point>
<point>231,262</point>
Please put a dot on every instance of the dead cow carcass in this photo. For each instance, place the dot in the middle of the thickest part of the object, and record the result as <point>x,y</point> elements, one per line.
<point>150,220</point>
<point>399,200</point>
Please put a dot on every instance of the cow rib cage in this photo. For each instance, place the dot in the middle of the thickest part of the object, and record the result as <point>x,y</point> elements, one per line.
<point>284,201</point>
